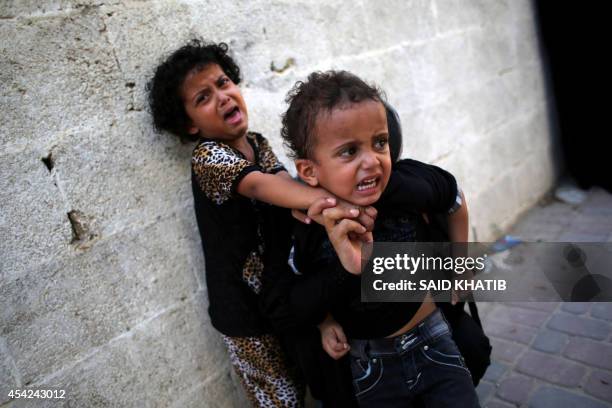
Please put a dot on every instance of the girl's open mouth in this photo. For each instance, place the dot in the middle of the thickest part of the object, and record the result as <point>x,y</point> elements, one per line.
<point>233,117</point>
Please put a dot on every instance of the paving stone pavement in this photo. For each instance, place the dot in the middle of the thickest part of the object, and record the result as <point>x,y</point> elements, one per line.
<point>552,354</point>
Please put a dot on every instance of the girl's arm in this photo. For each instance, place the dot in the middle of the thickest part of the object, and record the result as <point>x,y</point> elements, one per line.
<point>458,229</point>
<point>280,190</point>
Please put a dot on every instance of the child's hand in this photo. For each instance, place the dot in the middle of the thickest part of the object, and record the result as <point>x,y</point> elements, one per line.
<point>365,216</point>
<point>347,237</point>
<point>333,339</point>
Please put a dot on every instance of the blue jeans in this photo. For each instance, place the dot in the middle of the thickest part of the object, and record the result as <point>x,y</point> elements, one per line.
<point>420,368</point>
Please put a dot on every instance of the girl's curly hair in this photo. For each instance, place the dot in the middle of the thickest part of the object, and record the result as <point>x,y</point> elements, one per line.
<point>164,89</point>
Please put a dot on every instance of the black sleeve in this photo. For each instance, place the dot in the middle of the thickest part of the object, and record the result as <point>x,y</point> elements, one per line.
<point>318,290</point>
<point>419,186</point>
<point>299,300</point>
<point>323,281</point>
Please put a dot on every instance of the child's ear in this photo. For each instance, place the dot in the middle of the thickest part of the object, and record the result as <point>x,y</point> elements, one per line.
<point>307,172</point>
<point>192,130</point>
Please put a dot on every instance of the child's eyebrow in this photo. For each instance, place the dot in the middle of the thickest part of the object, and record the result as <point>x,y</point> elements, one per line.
<point>381,133</point>
<point>205,87</point>
<point>218,81</point>
<point>199,92</point>
<point>346,144</point>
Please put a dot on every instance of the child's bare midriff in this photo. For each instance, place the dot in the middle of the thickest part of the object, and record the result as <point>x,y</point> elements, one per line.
<point>427,307</point>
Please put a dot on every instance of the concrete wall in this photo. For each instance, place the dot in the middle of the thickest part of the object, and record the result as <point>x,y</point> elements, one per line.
<point>102,276</point>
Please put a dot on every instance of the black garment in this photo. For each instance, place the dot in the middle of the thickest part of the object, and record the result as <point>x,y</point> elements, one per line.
<point>470,338</point>
<point>295,311</point>
<point>327,287</point>
<point>412,185</point>
<point>231,228</point>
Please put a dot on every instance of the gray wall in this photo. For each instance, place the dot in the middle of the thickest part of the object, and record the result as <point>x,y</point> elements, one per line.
<point>112,306</point>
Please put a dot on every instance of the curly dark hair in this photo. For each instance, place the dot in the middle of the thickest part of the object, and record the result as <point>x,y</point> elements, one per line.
<point>165,101</point>
<point>322,91</point>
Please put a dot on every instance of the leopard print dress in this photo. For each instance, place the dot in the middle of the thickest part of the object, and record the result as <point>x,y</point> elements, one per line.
<point>258,360</point>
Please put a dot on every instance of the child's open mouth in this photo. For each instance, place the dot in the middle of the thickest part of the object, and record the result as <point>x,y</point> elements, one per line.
<point>233,117</point>
<point>368,184</point>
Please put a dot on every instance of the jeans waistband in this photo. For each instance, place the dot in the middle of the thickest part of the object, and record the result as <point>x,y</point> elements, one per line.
<point>432,327</point>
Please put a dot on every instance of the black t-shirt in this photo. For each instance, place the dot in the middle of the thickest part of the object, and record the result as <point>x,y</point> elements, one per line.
<point>296,303</point>
<point>293,301</point>
<point>335,290</point>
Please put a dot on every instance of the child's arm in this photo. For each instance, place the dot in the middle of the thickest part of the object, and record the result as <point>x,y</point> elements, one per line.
<point>222,173</point>
<point>279,190</point>
<point>458,229</point>
<point>419,186</point>
<point>458,222</point>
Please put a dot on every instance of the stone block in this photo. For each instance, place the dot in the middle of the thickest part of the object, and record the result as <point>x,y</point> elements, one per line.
<point>265,109</point>
<point>599,385</point>
<point>544,306</point>
<point>589,352</point>
<point>218,391</point>
<point>353,24</point>
<point>497,404</point>
<point>142,34</point>
<point>484,390</point>
<point>8,380</point>
<point>42,8</point>
<point>549,368</point>
<point>400,80</point>
<point>34,220</point>
<point>68,79</point>
<point>461,15</point>
<point>125,174</point>
<point>602,311</point>
<point>439,68</point>
<point>398,22</point>
<point>527,45</point>
<point>258,28</point>
<point>436,131</point>
<point>552,397</point>
<point>153,365</point>
<point>576,307</point>
<point>492,51</point>
<point>504,350</point>
<point>495,371</point>
<point>579,326</point>
<point>532,318</point>
<point>509,331</point>
<point>525,84</point>
<point>515,389</point>
<point>550,341</point>
<point>59,312</point>
<point>493,208</point>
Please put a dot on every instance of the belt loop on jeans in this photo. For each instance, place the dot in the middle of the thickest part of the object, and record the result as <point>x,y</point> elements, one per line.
<point>426,325</point>
<point>361,351</point>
